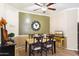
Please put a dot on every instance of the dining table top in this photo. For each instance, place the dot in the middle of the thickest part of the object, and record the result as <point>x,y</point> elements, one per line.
<point>30,41</point>
<point>48,37</point>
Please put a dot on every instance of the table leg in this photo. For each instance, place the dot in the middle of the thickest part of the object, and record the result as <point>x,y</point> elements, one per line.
<point>29,49</point>
<point>54,44</point>
<point>26,47</point>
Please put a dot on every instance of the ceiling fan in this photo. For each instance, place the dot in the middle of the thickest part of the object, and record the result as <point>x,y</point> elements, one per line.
<point>44,7</point>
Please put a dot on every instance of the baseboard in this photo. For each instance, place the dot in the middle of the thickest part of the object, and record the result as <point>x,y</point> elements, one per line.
<point>71,49</point>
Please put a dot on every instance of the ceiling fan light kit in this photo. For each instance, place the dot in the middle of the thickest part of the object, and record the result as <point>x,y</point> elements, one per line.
<point>44,8</point>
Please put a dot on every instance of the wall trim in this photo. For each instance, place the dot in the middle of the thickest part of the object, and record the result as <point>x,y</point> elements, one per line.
<point>72,49</point>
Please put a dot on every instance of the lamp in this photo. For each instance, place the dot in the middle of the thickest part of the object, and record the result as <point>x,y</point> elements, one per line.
<point>2,22</point>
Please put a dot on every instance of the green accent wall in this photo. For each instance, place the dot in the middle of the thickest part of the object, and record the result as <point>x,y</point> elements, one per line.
<point>26,19</point>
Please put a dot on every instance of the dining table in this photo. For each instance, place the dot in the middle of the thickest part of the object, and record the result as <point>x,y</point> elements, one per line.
<point>29,42</point>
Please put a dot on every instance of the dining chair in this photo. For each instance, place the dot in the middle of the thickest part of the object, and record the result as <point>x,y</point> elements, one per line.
<point>48,45</point>
<point>36,46</point>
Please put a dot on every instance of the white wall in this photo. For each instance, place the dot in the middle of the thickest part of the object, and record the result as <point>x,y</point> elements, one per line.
<point>57,20</point>
<point>13,20</point>
<point>78,15</point>
<point>72,29</point>
<point>2,10</point>
<point>11,16</point>
<point>67,22</point>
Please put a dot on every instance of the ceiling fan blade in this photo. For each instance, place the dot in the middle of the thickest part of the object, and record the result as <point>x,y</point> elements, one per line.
<point>50,4</point>
<point>37,4</point>
<point>36,9</point>
<point>51,8</point>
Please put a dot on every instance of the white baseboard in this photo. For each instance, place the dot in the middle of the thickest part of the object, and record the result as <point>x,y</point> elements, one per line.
<point>72,49</point>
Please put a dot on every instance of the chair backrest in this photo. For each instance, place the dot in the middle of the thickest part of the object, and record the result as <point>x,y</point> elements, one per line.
<point>50,36</point>
<point>44,35</point>
<point>38,38</point>
<point>50,39</point>
<point>37,41</point>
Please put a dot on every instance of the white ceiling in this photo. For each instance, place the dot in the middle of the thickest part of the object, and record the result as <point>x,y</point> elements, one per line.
<point>31,6</point>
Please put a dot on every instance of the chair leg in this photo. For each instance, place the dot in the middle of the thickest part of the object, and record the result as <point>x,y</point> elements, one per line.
<point>52,51</point>
<point>46,52</point>
<point>41,52</point>
<point>26,47</point>
<point>54,44</point>
<point>29,50</point>
<point>33,54</point>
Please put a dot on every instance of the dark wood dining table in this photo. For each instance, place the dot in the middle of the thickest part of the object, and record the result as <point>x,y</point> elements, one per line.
<point>29,42</point>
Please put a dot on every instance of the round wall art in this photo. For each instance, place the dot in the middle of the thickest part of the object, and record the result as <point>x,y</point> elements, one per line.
<point>36,25</point>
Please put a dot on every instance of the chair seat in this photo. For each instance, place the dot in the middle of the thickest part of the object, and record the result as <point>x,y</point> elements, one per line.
<point>37,48</point>
<point>48,46</point>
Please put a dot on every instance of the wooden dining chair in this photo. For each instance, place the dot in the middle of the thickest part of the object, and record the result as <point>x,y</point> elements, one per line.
<point>48,45</point>
<point>36,46</point>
